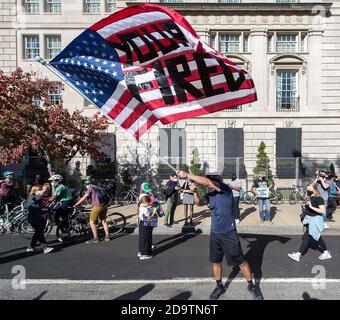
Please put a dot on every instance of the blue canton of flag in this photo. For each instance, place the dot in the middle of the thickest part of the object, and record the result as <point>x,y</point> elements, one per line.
<point>91,65</point>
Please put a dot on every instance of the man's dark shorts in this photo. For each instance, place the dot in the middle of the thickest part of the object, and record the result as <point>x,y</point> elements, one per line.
<point>227,245</point>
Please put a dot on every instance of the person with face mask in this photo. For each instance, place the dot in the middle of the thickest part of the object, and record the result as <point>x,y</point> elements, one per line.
<point>314,211</point>
<point>63,201</point>
<point>8,190</point>
<point>322,183</point>
<point>171,200</point>
<point>100,202</point>
<point>236,185</point>
<point>262,185</point>
<point>224,239</point>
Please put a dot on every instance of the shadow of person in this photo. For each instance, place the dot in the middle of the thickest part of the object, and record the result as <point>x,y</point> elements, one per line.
<point>175,241</point>
<point>201,215</point>
<point>257,245</point>
<point>273,212</point>
<point>182,296</point>
<point>247,212</point>
<point>137,294</point>
<point>306,296</point>
<point>40,295</point>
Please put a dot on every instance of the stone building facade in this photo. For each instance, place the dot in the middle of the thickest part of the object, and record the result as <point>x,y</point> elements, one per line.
<point>291,48</point>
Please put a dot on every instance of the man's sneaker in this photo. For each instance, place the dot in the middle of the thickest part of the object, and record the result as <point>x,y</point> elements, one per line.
<point>139,254</point>
<point>326,226</point>
<point>257,295</point>
<point>107,238</point>
<point>237,221</point>
<point>47,250</point>
<point>325,255</point>
<point>144,257</point>
<point>60,240</point>
<point>218,291</point>
<point>92,241</point>
<point>153,247</point>
<point>30,249</point>
<point>295,256</point>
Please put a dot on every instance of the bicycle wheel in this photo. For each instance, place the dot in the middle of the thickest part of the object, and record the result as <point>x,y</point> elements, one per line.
<point>292,197</point>
<point>116,222</point>
<point>249,197</point>
<point>276,197</point>
<point>124,198</point>
<point>68,231</point>
<point>26,231</point>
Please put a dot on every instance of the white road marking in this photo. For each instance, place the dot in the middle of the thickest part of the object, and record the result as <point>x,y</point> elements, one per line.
<point>170,281</point>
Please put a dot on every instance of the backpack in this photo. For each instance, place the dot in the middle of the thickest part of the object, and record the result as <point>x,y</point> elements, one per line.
<point>102,196</point>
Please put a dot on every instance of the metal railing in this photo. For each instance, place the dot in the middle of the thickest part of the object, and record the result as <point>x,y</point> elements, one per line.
<point>287,104</point>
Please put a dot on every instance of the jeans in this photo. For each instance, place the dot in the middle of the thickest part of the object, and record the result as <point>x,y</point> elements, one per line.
<point>170,208</point>
<point>326,206</point>
<point>264,215</point>
<point>38,225</point>
<point>145,239</point>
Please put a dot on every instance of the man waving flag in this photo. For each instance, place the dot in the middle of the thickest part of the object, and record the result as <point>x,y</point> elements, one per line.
<point>146,63</point>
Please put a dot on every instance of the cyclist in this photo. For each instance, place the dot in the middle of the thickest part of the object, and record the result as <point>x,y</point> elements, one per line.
<point>8,190</point>
<point>36,220</point>
<point>63,199</point>
<point>100,202</point>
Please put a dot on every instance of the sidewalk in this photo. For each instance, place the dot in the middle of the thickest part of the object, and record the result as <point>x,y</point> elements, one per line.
<point>285,220</point>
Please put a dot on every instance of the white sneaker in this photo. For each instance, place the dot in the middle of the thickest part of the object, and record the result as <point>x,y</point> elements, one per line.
<point>29,249</point>
<point>295,256</point>
<point>47,250</point>
<point>325,255</point>
<point>237,221</point>
<point>326,226</point>
<point>139,254</point>
<point>145,257</point>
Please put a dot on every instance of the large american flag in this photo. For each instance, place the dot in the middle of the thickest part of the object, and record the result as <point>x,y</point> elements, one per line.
<point>146,63</point>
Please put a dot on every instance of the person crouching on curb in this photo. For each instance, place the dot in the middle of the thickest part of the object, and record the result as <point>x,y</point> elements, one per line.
<point>35,205</point>
<point>100,202</point>
<point>224,240</point>
<point>147,219</point>
<point>314,211</point>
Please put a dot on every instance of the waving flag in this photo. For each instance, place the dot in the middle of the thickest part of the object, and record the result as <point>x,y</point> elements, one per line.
<point>146,63</point>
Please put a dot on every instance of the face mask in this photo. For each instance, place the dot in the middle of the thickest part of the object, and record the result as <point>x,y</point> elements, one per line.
<point>309,193</point>
<point>175,180</point>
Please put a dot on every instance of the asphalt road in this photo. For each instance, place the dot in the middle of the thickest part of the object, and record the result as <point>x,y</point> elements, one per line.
<point>179,269</point>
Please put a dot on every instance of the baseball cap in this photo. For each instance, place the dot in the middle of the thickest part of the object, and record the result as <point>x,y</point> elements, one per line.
<point>146,187</point>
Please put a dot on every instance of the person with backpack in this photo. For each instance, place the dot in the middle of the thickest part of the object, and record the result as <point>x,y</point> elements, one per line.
<point>100,201</point>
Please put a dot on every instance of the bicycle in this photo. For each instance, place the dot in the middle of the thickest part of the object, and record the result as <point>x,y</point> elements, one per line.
<point>127,197</point>
<point>298,195</point>
<point>275,197</point>
<point>78,225</point>
<point>10,220</point>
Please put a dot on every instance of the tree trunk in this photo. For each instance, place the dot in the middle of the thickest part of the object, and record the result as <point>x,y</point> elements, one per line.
<point>48,163</point>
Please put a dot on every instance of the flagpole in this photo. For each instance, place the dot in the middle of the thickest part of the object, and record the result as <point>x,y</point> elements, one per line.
<point>61,76</point>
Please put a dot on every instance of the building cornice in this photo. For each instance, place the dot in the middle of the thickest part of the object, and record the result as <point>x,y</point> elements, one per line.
<point>312,8</point>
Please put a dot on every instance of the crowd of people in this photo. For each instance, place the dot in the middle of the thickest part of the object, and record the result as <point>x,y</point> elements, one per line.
<point>221,198</point>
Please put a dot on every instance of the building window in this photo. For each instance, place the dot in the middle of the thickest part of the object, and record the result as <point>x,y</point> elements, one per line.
<point>53,46</point>
<point>31,6</point>
<point>36,102</point>
<point>287,98</point>
<point>212,40</point>
<point>229,1</point>
<point>53,6</point>
<point>245,43</point>
<point>55,96</point>
<point>31,47</point>
<point>91,6</point>
<point>269,43</point>
<point>171,1</point>
<point>110,6</point>
<point>229,43</point>
<point>286,43</point>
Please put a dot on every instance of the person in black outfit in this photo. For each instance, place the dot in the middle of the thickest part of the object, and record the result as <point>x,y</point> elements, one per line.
<point>314,211</point>
<point>224,239</point>
<point>171,200</point>
<point>35,204</point>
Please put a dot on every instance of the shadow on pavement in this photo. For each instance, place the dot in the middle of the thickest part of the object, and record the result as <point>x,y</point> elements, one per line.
<point>306,296</point>
<point>137,294</point>
<point>273,212</point>
<point>200,216</point>
<point>175,241</point>
<point>256,247</point>
<point>182,296</point>
<point>247,212</point>
<point>40,295</point>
